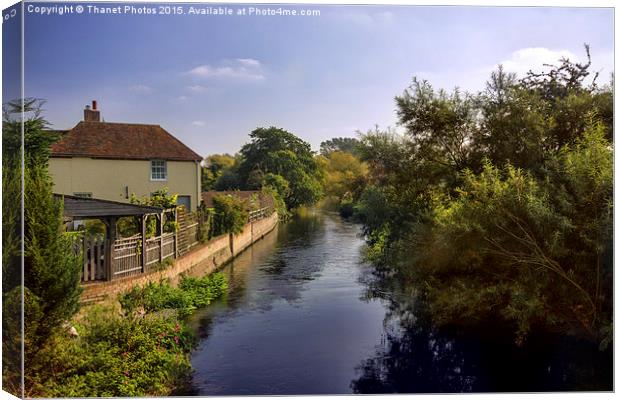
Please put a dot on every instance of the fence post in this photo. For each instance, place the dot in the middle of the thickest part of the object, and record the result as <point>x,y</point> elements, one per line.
<point>176,233</point>
<point>143,255</point>
<point>85,258</point>
<point>161,237</point>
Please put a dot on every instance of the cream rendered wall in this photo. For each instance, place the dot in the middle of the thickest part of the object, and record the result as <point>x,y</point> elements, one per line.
<point>106,179</point>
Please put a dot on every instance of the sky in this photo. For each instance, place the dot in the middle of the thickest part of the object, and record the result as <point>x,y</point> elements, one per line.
<point>211,79</point>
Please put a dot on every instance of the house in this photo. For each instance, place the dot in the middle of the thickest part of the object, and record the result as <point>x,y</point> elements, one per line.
<point>110,161</point>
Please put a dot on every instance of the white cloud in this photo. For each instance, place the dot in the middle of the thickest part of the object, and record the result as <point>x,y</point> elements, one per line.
<point>197,88</point>
<point>534,58</point>
<point>141,89</point>
<point>181,98</point>
<point>249,62</point>
<point>367,20</point>
<point>240,69</point>
<point>198,123</point>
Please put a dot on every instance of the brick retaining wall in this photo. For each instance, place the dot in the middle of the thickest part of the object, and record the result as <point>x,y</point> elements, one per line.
<point>214,253</point>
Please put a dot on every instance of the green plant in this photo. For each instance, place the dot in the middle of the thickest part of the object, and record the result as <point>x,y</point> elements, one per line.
<point>160,266</point>
<point>117,356</point>
<point>230,214</point>
<point>190,294</point>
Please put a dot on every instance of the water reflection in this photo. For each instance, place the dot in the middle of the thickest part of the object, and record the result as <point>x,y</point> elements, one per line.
<point>416,358</point>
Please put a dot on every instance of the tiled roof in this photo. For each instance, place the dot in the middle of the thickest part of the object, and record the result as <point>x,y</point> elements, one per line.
<point>121,141</point>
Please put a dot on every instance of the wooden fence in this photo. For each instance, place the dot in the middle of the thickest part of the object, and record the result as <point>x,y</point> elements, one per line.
<point>188,231</point>
<point>93,250</point>
<point>104,260</point>
<point>259,214</point>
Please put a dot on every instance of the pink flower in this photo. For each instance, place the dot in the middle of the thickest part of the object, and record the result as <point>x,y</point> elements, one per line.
<point>176,339</point>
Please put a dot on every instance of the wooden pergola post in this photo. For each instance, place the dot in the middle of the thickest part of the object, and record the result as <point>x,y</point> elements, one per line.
<point>110,223</point>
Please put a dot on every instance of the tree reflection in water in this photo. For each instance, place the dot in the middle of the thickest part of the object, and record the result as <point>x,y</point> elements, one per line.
<point>414,357</point>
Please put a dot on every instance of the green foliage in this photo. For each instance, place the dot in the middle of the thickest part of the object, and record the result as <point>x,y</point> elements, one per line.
<point>341,144</point>
<point>498,205</point>
<point>191,293</point>
<point>51,269</point>
<point>117,356</point>
<point>215,166</point>
<point>144,352</point>
<point>531,250</point>
<point>269,191</point>
<point>228,180</point>
<point>159,198</point>
<point>278,152</point>
<point>230,214</point>
<point>130,226</point>
<point>344,178</point>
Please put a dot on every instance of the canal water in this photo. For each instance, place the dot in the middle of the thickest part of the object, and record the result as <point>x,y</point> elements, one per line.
<point>305,315</point>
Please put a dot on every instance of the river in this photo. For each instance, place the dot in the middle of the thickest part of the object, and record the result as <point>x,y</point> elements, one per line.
<point>306,315</point>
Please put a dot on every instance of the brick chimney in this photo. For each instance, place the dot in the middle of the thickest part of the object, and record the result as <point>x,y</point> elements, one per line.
<point>92,114</point>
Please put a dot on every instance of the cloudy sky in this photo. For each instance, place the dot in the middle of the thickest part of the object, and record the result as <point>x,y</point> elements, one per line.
<point>210,80</point>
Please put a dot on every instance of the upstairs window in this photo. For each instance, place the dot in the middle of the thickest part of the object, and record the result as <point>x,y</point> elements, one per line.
<point>158,170</point>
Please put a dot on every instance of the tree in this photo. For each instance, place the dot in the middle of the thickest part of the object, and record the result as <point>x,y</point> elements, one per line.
<point>497,205</point>
<point>342,144</point>
<point>214,167</point>
<point>276,151</point>
<point>51,267</point>
<point>528,251</point>
<point>345,177</point>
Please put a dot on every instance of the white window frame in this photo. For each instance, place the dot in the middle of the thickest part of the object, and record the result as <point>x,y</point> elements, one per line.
<point>165,178</point>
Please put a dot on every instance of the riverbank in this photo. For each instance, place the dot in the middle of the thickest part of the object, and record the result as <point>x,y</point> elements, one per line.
<point>138,346</point>
<point>131,337</point>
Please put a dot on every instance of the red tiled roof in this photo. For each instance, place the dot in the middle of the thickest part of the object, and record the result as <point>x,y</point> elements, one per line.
<point>122,141</point>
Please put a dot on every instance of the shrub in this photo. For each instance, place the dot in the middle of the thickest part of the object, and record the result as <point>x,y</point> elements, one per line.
<point>118,356</point>
<point>231,214</point>
<point>189,295</point>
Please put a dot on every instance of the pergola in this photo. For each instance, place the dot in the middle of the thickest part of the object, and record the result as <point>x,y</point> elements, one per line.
<point>109,212</point>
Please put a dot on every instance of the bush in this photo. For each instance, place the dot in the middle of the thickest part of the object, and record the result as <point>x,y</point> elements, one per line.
<point>531,252</point>
<point>231,214</point>
<point>191,293</point>
<point>118,356</point>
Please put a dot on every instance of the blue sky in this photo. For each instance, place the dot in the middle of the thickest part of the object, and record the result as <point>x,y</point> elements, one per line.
<point>210,80</point>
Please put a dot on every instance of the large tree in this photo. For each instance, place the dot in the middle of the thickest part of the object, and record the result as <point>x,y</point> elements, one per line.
<point>51,267</point>
<point>215,166</point>
<point>497,205</point>
<point>343,144</point>
<point>278,152</point>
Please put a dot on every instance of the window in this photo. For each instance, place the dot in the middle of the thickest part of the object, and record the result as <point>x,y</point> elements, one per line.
<point>185,201</point>
<point>87,195</point>
<point>158,170</point>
